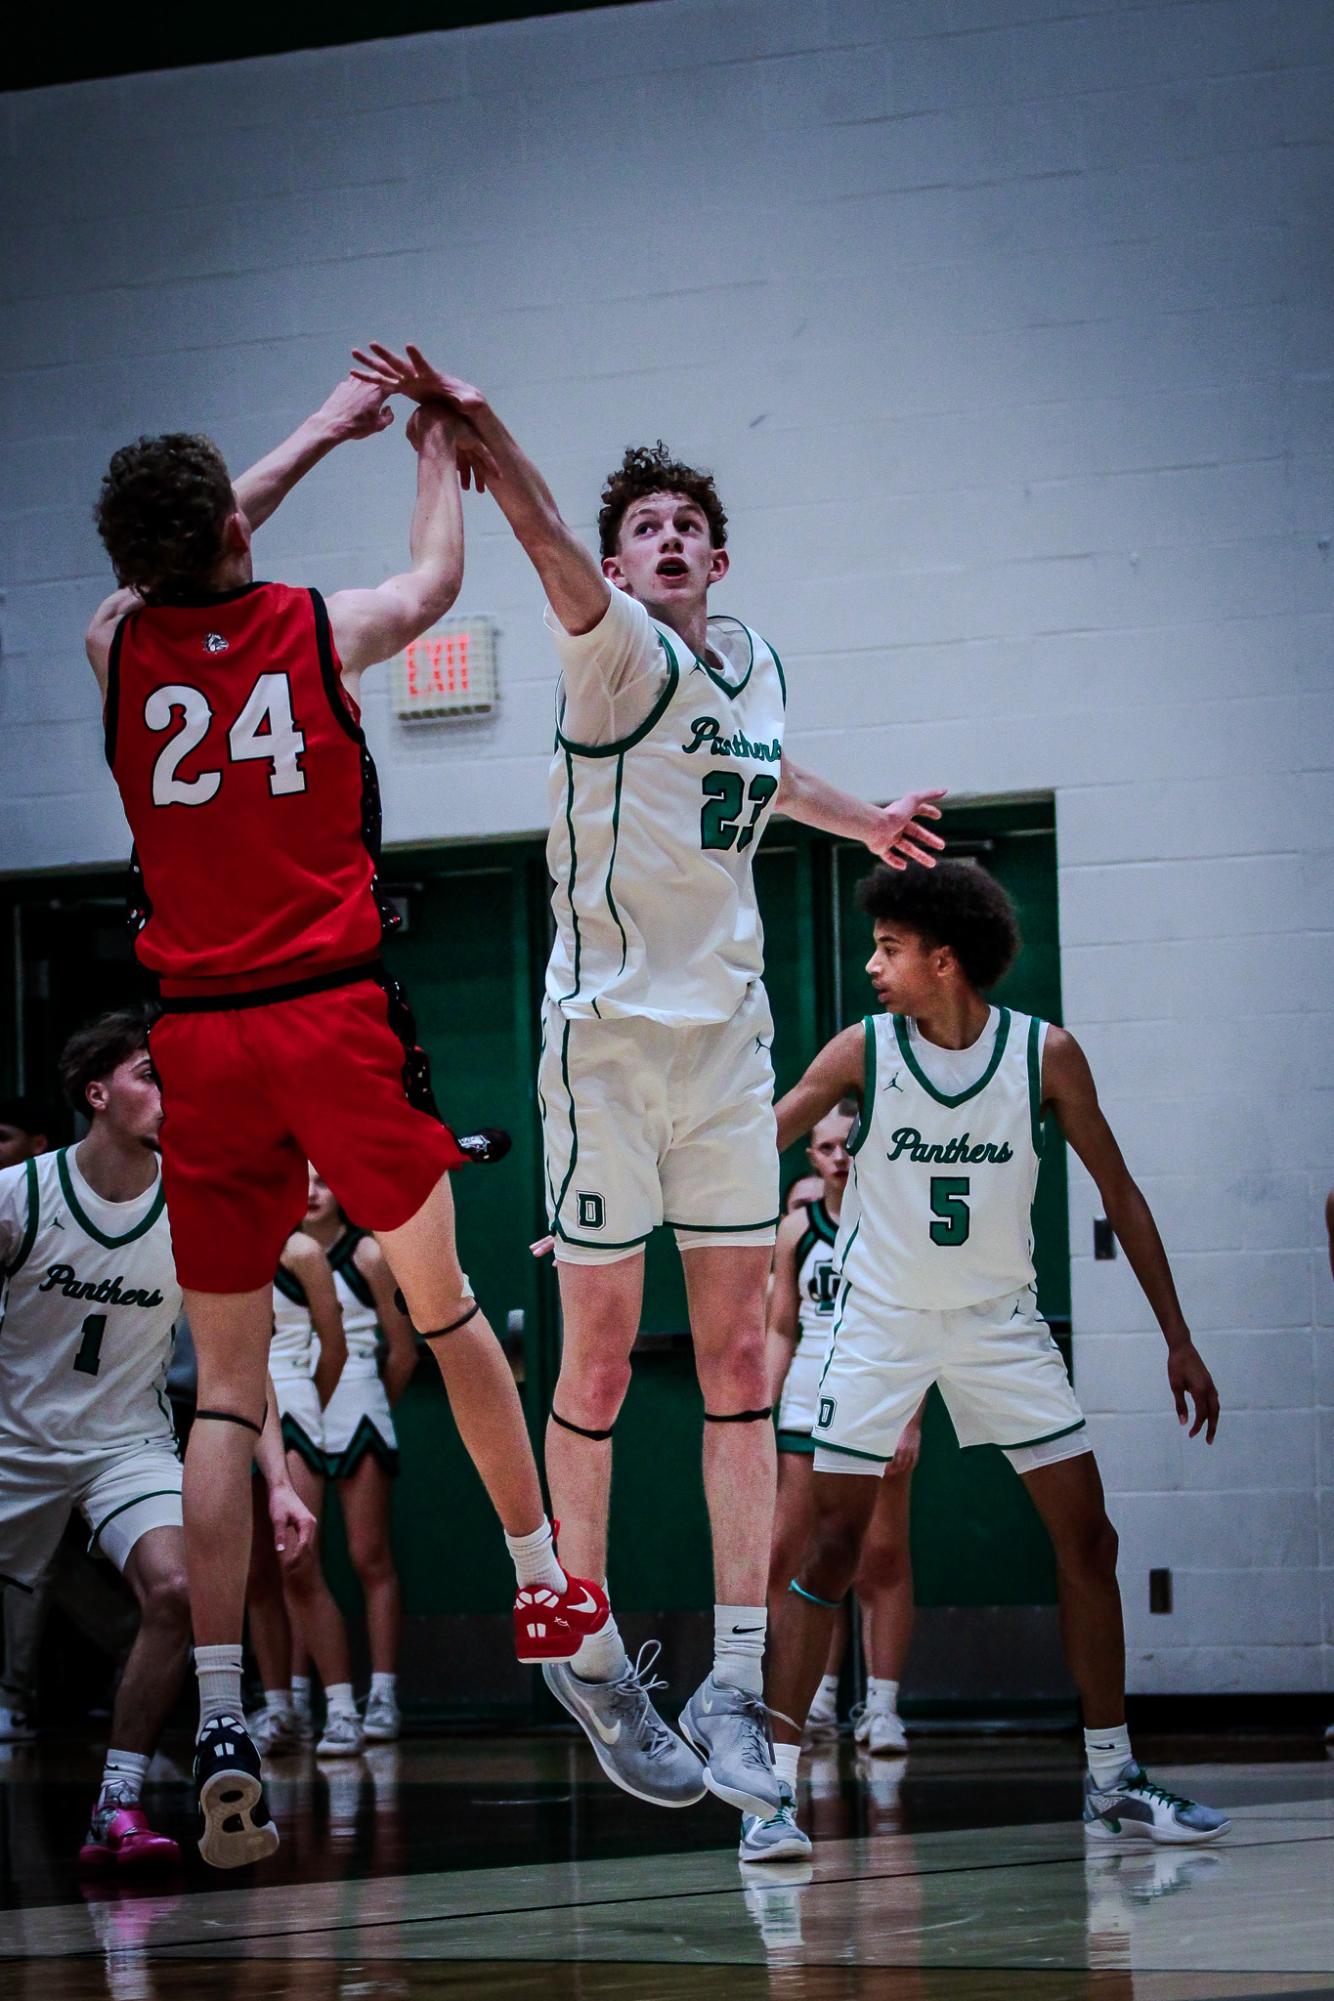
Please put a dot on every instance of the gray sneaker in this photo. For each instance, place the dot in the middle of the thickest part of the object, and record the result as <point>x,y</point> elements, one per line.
<point>777,1839</point>
<point>381,1719</point>
<point>275,1733</point>
<point>1135,1809</point>
<point>729,1728</point>
<point>634,1746</point>
<point>343,1736</point>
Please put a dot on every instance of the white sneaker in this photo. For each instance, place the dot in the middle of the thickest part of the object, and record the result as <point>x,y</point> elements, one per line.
<point>1134,1808</point>
<point>879,1731</point>
<point>381,1719</point>
<point>275,1733</point>
<point>17,1727</point>
<point>777,1839</point>
<point>343,1736</point>
<point>821,1723</point>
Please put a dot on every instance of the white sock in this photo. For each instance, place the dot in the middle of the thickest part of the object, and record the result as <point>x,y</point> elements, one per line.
<point>786,1759</point>
<point>826,1695</point>
<point>738,1646</point>
<point>882,1695</point>
<point>384,1688</point>
<point>219,1672</point>
<point>339,1699</point>
<point>301,1694</point>
<point>602,1656</point>
<point>279,1699</point>
<point>123,1777</point>
<point>1108,1753</point>
<point>535,1558</point>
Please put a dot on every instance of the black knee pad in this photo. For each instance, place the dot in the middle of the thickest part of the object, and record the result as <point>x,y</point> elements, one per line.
<point>582,1430</point>
<point>231,1417</point>
<point>434,1333</point>
<point>738,1416</point>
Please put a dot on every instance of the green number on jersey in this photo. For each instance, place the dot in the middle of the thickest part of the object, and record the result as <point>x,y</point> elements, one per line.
<point>88,1359</point>
<point>724,802</point>
<point>949,1201</point>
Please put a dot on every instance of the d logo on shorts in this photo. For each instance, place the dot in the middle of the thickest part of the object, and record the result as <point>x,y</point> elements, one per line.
<point>828,1405</point>
<point>592,1210</point>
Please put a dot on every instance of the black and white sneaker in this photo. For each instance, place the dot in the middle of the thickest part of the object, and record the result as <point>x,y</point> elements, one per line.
<point>236,1827</point>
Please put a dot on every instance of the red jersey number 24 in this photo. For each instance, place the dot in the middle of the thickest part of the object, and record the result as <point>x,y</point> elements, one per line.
<point>265,728</point>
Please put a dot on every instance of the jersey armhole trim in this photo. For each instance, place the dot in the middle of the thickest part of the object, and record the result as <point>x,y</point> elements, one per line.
<point>333,687</point>
<point>1035,1082</point>
<point>858,1136</point>
<point>654,716</point>
<point>111,707</point>
<point>86,1224</point>
<point>822,1223</point>
<point>30,1228</point>
<point>782,677</point>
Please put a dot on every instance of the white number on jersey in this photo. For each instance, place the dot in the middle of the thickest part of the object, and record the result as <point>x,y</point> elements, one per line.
<point>265,728</point>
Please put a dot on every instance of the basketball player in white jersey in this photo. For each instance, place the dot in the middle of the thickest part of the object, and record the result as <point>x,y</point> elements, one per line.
<point>656,1082</point>
<point>801,1316</point>
<point>90,1302</point>
<point>935,1253</point>
<point>360,1444</point>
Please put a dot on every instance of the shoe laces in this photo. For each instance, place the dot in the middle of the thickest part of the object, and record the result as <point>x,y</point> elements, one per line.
<point>631,1693</point>
<point>757,1741</point>
<point>1144,1784</point>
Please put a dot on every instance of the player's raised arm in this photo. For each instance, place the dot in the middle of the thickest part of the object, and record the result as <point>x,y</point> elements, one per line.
<point>353,409</point>
<point>839,1071</point>
<point>371,625</point>
<point>576,589</point>
<point>1069,1090</point>
<point>893,833</point>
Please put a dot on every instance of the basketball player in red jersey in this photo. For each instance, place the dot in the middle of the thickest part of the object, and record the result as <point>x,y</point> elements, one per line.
<point>233,734</point>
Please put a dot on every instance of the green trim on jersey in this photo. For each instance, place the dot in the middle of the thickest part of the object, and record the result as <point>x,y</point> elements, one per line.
<point>593,1244</point>
<point>822,1223</point>
<point>290,1287</point>
<point>1035,1083</point>
<point>857,1137</point>
<point>574,1130</point>
<point>851,1452</point>
<point>366,1441</point>
<point>343,1261</point>
<point>733,688</point>
<point>1046,1438</point>
<point>795,1441</point>
<point>959,1097</point>
<point>655,715</point>
<point>782,677</point>
<point>615,837</point>
<point>153,1494</point>
<point>295,1439</point>
<point>90,1228</point>
<point>29,1237</point>
<point>721,1229</point>
<point>839,1311</point>
<point>16,1583</point>
<point>574,877</point>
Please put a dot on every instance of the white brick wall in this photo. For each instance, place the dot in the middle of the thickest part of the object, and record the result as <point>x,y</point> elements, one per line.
<point>1005,324</point>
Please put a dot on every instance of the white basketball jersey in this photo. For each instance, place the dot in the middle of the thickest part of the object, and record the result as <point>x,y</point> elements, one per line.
<point>360,1324</point>
<point>292,1347</point>
<point>653,841</point>
<point>817,1278</point>
<point>87,1312</point>
<point>937,1213</point>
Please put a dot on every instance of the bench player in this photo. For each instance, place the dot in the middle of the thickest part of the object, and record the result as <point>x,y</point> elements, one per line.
<point>656,1082</point>
<point>801,1315</point>
<point>233,733</point>
<point>935,1255</point>
<point>90,1301</point>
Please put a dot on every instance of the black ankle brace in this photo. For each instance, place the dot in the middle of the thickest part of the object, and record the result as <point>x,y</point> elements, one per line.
<point>738,1416</point>
<point>582,1429</point>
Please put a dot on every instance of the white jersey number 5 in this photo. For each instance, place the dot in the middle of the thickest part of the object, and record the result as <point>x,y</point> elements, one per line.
<point>265,728</point>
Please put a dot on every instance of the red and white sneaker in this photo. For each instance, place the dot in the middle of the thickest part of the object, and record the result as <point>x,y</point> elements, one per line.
<point>119,1837</point>
<point>552,1625</point>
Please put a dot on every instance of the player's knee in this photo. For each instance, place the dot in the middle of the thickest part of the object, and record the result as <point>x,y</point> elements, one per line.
<point>592,1395</point>
<point>166,1599</point>
<point>885,1565</point>
<point>372,1559</point>
<point>832,1555</point>
<point>736,1379</point>
<point>1090,1548</point>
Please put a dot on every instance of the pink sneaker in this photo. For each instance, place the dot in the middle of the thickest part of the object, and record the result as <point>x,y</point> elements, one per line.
<point>120,1838</point>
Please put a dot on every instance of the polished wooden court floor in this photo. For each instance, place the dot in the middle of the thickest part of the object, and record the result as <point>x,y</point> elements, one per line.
<point>509,1868</point>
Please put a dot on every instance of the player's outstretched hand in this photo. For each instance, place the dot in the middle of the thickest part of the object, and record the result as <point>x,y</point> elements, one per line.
<point>898,838</point>
<point>1189,1377</point>
<point>294,1526</point>
<point>356,409</point>
<point>411,374</point>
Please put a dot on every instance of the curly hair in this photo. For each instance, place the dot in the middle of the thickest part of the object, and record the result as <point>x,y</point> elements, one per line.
<point>956,904</point>
<point>652,469</point>
<point>160,514</point>
<point>98,1048</point>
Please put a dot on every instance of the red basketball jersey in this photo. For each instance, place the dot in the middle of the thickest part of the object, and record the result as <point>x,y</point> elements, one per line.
<point>248,788</point>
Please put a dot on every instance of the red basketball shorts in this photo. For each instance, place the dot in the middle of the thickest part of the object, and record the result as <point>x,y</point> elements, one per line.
<point>250,1094</point>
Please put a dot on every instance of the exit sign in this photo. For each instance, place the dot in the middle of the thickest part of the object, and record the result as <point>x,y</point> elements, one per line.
<point>448,672</point>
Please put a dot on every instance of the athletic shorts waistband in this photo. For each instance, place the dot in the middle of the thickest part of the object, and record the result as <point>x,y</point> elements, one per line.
<point>316,983</point>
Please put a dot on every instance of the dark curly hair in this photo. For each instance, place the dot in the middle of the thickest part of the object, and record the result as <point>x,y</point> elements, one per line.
<point>98,1048</point>
<point>956,904</point>
<point>160,514</point>
<point>652,469</point>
